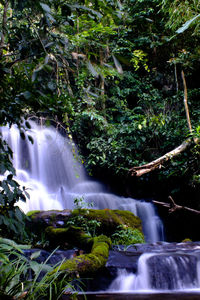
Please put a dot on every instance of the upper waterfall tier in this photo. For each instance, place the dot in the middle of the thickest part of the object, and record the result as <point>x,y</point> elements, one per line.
<point>53,175</point>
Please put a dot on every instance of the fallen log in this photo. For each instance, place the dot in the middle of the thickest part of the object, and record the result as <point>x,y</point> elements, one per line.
<point>157,164</point>
<point>174,207</point>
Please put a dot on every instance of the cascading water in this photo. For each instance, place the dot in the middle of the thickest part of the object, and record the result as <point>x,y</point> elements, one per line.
<point>162,269</point>
<point>50,171</point>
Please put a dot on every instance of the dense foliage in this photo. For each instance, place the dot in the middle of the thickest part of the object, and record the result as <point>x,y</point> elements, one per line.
<point>108,68</point>
<point>25,278</point>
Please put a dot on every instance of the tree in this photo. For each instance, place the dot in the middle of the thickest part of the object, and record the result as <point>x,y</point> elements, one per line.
<point>190,16</point>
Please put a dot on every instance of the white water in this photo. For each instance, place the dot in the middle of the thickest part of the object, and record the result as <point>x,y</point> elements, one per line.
<point>161,272</point>
<point>50,171</point>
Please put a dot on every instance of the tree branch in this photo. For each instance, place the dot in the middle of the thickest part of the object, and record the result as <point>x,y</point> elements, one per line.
<point>174,207</point>
<point>156,164</point>
<point>141,170</point>
<point>185,102</point>
<point>186,106</point>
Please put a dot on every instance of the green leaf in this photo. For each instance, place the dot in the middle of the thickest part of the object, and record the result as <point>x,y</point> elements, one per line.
<point>7,248</point>
<point>36,267</point>
<point>28,125</point>
<point>94,12</point>
<point>35,255</point>
<point>187,24</point>
<point>22,135</point>
<point>9,177</point>
<point>50,17</point>
<point>19,215</point>
<point>26,94</point>
<point>92,69</point>
<point>117,65</point>
<point>31,139</point>
<point>3,258</point>
<point>45,7</point>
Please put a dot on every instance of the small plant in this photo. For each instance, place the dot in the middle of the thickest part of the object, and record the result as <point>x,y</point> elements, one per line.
<point>89,226</point>
<point>22,277</point>
<point>127,236</point>
<point>80,203</point>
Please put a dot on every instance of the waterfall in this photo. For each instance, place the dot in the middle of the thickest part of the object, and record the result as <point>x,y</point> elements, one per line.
<point>53,176</point>
<point>176,270</point>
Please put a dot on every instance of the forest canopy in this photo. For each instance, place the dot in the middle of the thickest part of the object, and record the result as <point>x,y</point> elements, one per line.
<point>111,68</point>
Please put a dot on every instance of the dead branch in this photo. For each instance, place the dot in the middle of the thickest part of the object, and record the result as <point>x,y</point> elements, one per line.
<point>186,102</point>
<point>186,106</point>
<point>141,170</point>
<point>174,207</point>
<point>156,164</point>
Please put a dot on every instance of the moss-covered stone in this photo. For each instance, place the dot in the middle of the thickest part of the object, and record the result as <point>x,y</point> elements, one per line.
<point>50,217</point>
<point>186,240</point>
<point>56,233</point>
<point>110,219</point>
<point>89,263</point>
<point>33,213</point>
<point>69,237</point>
<point>55,225</point>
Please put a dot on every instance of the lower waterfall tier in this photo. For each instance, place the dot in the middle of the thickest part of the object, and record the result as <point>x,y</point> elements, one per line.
<point>163,267</point>
<point>160,270</point>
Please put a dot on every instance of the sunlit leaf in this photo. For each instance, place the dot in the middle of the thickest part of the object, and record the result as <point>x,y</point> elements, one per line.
<point>117,65</point>
<point>35,255</point>
<point>187,24</point>
<point>45,7</point>
<point>92,69</point>
<point>26,94</point>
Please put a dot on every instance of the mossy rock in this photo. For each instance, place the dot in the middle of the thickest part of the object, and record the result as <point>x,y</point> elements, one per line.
<point>53,226</point>
<point>88,263</point>
<point>33,213</point>
<point>49,217</point>
<point>110,219</point>
<point>187,240</point>
<point>69,237</point>
<point>49,213</point>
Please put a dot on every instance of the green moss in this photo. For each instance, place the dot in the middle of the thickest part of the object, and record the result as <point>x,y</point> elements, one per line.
<point>55,232</point>
<point>101,247</point>
<point>129,219</point>
<point>110,219</point>
<point>186,240</point>
<point>53,217</point>
<point>91,222</point>
<point>73,236</point>
<point>33,213</point>
<point>89,263</point>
